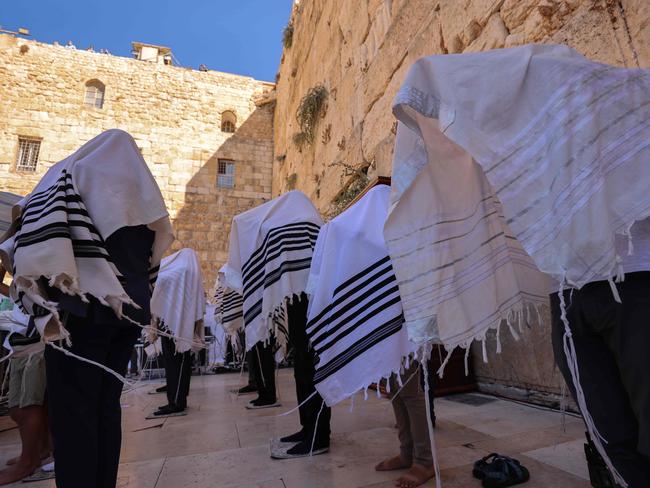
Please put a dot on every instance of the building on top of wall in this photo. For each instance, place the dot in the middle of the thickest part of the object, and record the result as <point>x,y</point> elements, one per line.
<point>207,136</point>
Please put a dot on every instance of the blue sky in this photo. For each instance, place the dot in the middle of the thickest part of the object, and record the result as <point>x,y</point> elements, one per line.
<point>235,36</point>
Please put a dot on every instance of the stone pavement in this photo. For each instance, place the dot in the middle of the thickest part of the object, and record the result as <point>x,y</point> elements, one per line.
<point>222,445</point>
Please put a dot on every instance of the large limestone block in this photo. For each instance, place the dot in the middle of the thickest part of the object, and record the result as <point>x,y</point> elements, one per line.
<point>636,16</point>
<point>493,35</point>
<point>594,32</point>
<point>463,20</point>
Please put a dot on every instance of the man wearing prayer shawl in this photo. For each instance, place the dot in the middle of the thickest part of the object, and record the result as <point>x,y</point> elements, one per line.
<point>86,246</point>
<point>269,257</point>
<point>533,152</point>
<point>177,309</point>
<point>356,328</point>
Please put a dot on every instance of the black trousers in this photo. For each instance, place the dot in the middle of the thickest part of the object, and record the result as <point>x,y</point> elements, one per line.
<point>252,380</point>
<point>304,369</point>
<point>178,373</point>
<point>84,402</point>
<point>611,341</point>
<point>263,365</point>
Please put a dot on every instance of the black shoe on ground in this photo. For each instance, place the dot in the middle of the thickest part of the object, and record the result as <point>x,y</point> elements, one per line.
<point>294,438</point>
<point>263,403</point>
<point>302,449</point>
<point>161,389</point>
<point>247,389</point>
<point>168,411</point>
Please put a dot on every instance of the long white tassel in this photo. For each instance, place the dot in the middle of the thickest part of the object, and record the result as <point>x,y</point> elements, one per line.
<point>572,361</point>
<point>313,440</point>
<point>436,464</point>
<point>94,363</point>
<point>298,406</point>
<point>404,383</point>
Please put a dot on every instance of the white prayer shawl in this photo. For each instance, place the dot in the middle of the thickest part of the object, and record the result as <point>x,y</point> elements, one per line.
<point>355,314</point>
<point>178,300</point>
<point>64,222</point>
<point>562,142</point>
<point>269,257</point>
<point>219,345</point>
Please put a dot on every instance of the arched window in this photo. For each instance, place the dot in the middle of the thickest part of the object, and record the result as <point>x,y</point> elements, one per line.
<point>94,94</point>
<point>228,121</point>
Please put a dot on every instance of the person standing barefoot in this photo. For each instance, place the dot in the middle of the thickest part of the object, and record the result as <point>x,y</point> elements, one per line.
<point>415,454</point>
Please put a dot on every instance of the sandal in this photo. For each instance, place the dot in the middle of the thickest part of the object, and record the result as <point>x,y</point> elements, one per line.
<point>498,471</point>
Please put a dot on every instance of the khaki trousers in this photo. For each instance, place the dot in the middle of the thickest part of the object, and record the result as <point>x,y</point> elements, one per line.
<point>411,416</point>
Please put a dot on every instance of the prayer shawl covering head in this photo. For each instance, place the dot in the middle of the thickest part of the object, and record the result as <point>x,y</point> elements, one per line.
<point>63,224</point>
<point>355,313</point>
<point>269,258</point>
<point>562,142</point>
<point>178,300</point>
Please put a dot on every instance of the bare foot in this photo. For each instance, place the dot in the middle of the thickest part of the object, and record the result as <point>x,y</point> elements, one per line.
<point>392,464</point>
<point>17,472</point>
<point>416,476</point>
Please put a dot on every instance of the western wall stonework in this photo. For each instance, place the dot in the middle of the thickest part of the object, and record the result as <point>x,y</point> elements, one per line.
<point>360,50</point>
<point>173,113</point>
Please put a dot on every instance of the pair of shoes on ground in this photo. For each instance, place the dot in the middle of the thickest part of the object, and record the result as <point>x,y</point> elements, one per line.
<point>496,470</point>
<point>296,446</point>
<point>259,403</point>
<point>168,411</point>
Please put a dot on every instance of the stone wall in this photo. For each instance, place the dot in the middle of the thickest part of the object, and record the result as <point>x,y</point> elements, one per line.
<point>360,51</point>
<point>173,113</point>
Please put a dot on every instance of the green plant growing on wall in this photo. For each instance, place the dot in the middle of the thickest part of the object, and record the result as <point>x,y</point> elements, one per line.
<point>291,181</point>
<point>287,35</point>
<point>349,192</point>
<point>310,109</point>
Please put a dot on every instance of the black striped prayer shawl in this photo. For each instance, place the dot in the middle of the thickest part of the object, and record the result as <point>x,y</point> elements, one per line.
<point>270,254</point>
<point>356,324</point>
<point>58,237</point>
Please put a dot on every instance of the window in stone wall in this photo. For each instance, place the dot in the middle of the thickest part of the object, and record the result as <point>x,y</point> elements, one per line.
<point>226,174</point>
<point>94,94</point>
<point>28,150</point>
<point>228,121</point>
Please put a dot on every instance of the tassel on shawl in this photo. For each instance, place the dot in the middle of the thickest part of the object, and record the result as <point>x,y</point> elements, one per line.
<point>427,400</point>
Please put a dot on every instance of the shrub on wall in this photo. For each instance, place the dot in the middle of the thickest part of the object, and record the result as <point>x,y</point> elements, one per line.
<point>354,187</point>
<point>310,109</point>
<point>287,35</point>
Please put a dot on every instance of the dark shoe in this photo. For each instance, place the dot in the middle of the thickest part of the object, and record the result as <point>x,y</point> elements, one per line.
<point>247,389</point>
<point>498,471</point>
<point>161,389</point>
<point>302,449</point>
<point>259,403</point>
<point>293,438</point>
<point>168,411</point>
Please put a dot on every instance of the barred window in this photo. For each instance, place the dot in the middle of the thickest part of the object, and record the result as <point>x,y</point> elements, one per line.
<point>94,94</point>
<point>228,121</point>
<point>28,150</point>
<point>226,174</point>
